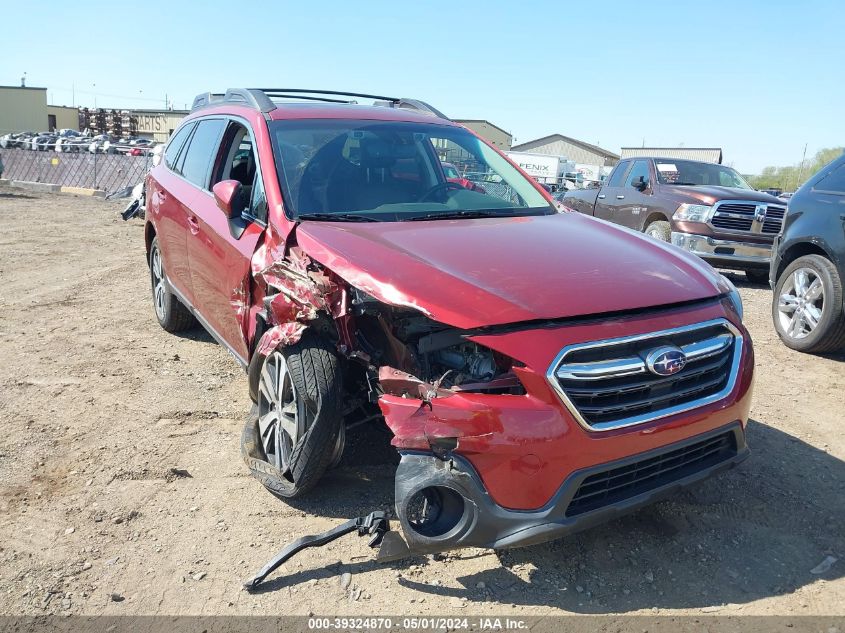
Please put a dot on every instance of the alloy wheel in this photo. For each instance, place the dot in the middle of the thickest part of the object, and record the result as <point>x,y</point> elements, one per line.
<point>801,303</point>
<point>159,289</point>
<point>281,422</point>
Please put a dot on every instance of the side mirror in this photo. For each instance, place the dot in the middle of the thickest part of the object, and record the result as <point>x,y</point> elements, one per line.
<point>228,194</point>
<point>640,185</point>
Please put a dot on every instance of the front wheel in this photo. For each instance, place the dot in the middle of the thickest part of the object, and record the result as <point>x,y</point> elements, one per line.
<point>659,230</point>
<point>294,432</point>
<point>807,306</point>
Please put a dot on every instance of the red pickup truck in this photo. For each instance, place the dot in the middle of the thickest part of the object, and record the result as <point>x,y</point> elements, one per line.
<point>703,208</point>
<point>539,371</point>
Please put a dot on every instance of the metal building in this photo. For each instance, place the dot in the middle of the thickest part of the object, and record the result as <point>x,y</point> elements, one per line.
<point>158,124</point>
<point>25,109</point>
<point>573,149</point>
<point>706,154</point>
<point>498,137</point>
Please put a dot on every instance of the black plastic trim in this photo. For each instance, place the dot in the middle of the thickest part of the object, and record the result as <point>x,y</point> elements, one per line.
<point>487,524</point>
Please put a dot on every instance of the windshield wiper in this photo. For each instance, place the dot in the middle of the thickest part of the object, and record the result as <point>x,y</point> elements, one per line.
<point>336,217</point>
<point>463,213</point>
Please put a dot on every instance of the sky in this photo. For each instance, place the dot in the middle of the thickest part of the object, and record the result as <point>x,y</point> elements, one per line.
<point>760,79</point>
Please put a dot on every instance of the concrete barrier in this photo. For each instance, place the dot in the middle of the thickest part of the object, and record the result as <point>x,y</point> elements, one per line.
<point>41,187</point>
<point>82,191</point>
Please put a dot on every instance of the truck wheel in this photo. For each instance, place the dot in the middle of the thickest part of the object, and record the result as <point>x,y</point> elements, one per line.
<point>292,434</point>
<point>757,276</point>
<point>171,314</point>
<point>807,306</point>
<point>659,230</point>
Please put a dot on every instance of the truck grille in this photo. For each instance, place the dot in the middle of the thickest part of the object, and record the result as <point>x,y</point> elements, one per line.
<point>748,217</point>
<point>608,384</point>
<point>625,482</point>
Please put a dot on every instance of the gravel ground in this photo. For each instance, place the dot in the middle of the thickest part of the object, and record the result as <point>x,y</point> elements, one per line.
<point>98,405</point>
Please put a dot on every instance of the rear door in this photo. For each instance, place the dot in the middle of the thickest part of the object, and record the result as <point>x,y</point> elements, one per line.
<point>169,194</point>
<point>219,249</point>
<point>612,193</point>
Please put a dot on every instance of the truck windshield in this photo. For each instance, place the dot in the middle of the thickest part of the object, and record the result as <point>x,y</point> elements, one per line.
<point>690,172</point>
<point>340,169</point>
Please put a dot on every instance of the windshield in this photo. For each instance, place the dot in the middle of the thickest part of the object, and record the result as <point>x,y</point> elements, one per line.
<point>389,171</point>
<point>690,172</point>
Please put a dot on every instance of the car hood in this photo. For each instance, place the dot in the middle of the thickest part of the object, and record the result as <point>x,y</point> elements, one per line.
<point>492,271</point>
<point>710,195</point>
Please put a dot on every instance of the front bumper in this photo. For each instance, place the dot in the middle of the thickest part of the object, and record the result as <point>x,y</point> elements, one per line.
<point>468,516</point>
<point>725,253</point>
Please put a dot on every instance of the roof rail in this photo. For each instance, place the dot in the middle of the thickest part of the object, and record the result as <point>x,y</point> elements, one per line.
<point>251,98</point>
<point>261,99</point>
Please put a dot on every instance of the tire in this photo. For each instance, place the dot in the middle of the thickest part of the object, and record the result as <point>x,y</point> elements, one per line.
<point>171,314</point>
<point>659,230</point>
<point>809,290</point>
<point>315,399</point>
<point>757,276</point>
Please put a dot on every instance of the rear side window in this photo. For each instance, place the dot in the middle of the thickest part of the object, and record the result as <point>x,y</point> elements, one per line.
<point>639,170</point>
<point>834,182</point>
<point>175,144</point>
<point>618,175</point>
<point>201,151</point>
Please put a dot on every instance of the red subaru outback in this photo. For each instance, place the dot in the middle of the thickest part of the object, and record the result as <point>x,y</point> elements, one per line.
<point>540,371</point>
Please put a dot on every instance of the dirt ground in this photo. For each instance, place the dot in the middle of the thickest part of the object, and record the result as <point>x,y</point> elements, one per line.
<point>98,404</point>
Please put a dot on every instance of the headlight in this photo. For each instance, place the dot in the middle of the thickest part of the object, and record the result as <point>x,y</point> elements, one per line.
<point>693,213</point>
<point>733,295</point>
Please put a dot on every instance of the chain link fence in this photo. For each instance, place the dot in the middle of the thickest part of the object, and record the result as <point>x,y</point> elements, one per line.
<point>107,172</point>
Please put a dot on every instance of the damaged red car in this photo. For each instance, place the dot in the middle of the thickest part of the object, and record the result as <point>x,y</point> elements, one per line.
<point>540,371</point>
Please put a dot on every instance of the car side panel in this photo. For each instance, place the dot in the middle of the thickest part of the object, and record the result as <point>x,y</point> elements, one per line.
<point>220,272</point>
<point>170,199</point>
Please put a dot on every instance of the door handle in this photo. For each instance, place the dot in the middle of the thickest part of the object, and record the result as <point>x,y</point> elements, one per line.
<point>620,197</point>
<point>602,196</point>
<point>193,225</point>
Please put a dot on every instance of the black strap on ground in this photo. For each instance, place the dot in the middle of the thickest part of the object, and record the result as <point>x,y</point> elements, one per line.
<point>375,524</point>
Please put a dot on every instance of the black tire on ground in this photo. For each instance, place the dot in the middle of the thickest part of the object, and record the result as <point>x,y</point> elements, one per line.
<point>173,316</point>
<point>314,369</point>
<point>757,276</point>
<point>659,230</point>
<point>829,334</point>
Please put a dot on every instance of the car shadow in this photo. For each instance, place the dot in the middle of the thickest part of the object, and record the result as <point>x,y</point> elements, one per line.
<point>197,333</point>
<point>751,533</point>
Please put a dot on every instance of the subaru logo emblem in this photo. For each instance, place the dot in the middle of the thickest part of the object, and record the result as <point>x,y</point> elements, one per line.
<point>665,361</point>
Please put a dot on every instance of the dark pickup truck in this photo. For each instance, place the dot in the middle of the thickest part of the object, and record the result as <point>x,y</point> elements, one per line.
<point>704,208</point>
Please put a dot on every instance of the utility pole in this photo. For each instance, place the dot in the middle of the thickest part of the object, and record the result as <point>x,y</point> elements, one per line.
<point>801,169</point>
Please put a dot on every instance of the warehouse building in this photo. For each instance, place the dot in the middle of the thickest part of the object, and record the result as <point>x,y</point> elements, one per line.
<point>25,110</point>
<point>493,134</point>
<point>157,124</point>
<point>570,148</point>
<point>706,154</point>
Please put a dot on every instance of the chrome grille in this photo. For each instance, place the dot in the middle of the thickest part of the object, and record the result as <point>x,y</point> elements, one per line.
<point>745,217</point>
<point>608,385</point>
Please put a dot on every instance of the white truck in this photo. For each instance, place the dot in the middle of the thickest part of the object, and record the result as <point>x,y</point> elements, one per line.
<point>543,168</point>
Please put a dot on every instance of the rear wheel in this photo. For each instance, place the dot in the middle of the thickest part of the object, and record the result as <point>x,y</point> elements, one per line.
<point>659,230</point>
<point>295,428</point>
<point>172,315</point>
<point>807,306</point>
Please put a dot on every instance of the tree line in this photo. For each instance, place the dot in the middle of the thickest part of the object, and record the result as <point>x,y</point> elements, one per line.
<point>790,177</point>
